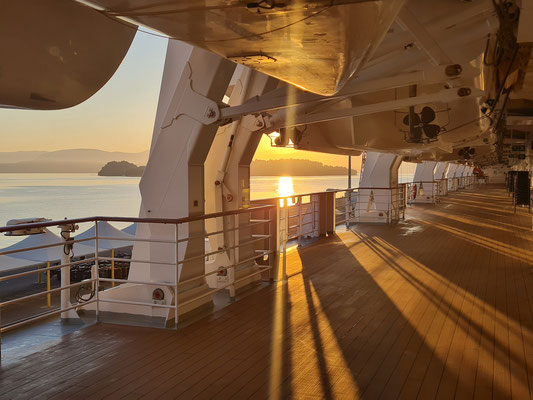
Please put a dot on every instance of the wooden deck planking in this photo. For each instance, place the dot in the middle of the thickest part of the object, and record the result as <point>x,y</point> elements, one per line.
<point>437,306</point>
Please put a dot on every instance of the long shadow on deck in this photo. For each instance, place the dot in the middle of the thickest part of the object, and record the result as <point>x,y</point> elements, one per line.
<point>360,342</point>
<point>487,260</point>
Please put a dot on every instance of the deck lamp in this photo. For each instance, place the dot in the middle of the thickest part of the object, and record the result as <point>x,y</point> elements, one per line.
<point>26,231</point>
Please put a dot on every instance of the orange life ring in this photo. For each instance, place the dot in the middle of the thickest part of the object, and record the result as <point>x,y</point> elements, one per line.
<point>414,191</point>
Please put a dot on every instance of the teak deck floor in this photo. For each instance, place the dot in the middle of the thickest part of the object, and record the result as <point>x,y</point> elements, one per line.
<point>437,306</point>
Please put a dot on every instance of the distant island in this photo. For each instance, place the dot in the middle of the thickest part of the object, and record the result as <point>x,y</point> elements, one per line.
<point>121,168</point>
<point>295,167</point>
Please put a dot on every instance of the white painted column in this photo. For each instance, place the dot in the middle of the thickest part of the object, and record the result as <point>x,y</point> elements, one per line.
<point>439,176</point>
<point>172,185</point>
<point>459,175</point>
<point>469,175</point>
<point>440,170</point>
<point>450,175</point>
<point>424,181</point>
<point>377,194</point>
<point>227,182</point>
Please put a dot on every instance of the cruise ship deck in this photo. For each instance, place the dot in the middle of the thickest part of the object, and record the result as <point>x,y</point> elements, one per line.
<point>436,306</point>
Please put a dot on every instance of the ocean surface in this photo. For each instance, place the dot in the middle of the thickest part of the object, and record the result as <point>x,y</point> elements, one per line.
<point>57,196</point>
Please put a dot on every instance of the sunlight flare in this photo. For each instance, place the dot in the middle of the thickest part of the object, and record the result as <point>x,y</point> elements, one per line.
<point>285,186</point>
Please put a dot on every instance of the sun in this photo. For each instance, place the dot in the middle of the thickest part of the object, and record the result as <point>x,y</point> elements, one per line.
<point>285,186</point>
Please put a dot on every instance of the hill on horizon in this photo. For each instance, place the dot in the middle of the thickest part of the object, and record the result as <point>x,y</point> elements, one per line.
<point>69,160</point>
<point>295,167</point>
<point>92,161</point>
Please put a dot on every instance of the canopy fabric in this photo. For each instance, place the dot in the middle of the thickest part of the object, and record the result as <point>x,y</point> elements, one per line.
<point>9,263</point>
<point>48,253</point>
<point>131,230</point>
<point>105,229</point>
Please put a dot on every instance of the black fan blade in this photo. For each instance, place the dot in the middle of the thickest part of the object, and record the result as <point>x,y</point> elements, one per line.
<point>461,152</point>
<point>427,114</point>
<point>472,151</point>
<point>431,130</point>
<point>411,119</point>
<point>416,133</point>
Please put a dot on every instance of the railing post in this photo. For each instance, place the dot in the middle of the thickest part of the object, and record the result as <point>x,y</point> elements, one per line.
<point>285,237</point>
<point>236,254</point>
<point>404,198</point>
<point>326,216</point>
<point>300,221</point>
<point>65,272</point>
<point>347,204</point>
<point>316,215</point>
<point>176,274</point>
<point>113,267</point>
<point>274,242</point>
<point>48,295</point>
<point>390,209</point>
<point>96,272</point>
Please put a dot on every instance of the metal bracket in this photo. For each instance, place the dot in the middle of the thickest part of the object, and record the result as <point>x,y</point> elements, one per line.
<point>255,123</point>
<point>199,107</point>
<point>191,103</point>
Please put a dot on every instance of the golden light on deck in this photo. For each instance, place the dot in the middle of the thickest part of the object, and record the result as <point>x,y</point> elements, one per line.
<point>455,306</point>
<point>276,347</point>
<point>306,342</point>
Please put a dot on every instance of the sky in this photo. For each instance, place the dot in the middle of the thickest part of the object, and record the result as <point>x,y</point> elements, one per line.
<point>119,117</point>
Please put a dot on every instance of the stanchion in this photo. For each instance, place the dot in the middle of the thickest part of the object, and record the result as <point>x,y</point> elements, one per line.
<point>113,267</point>
<point>48,295</point>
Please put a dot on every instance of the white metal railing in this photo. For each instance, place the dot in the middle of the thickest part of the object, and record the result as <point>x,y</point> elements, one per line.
<point>442,187</point>
<point>258,245</point>
<point>268,224</point>
<point>381,204</point>
<point>301,215</point>
<point>429,190</point>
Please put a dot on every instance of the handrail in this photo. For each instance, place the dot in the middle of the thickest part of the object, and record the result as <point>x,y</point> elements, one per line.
<point>132,219</point>
<point>354,189</point>
<point>306,194</point>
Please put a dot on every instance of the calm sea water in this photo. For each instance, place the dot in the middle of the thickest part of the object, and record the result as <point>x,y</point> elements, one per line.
<point>57,196</point>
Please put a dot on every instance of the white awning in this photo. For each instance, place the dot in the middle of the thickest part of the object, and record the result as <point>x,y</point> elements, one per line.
<point>48,253</point>
<point>131,230</point>
<point>9,263</point>
<point>105,229</point>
